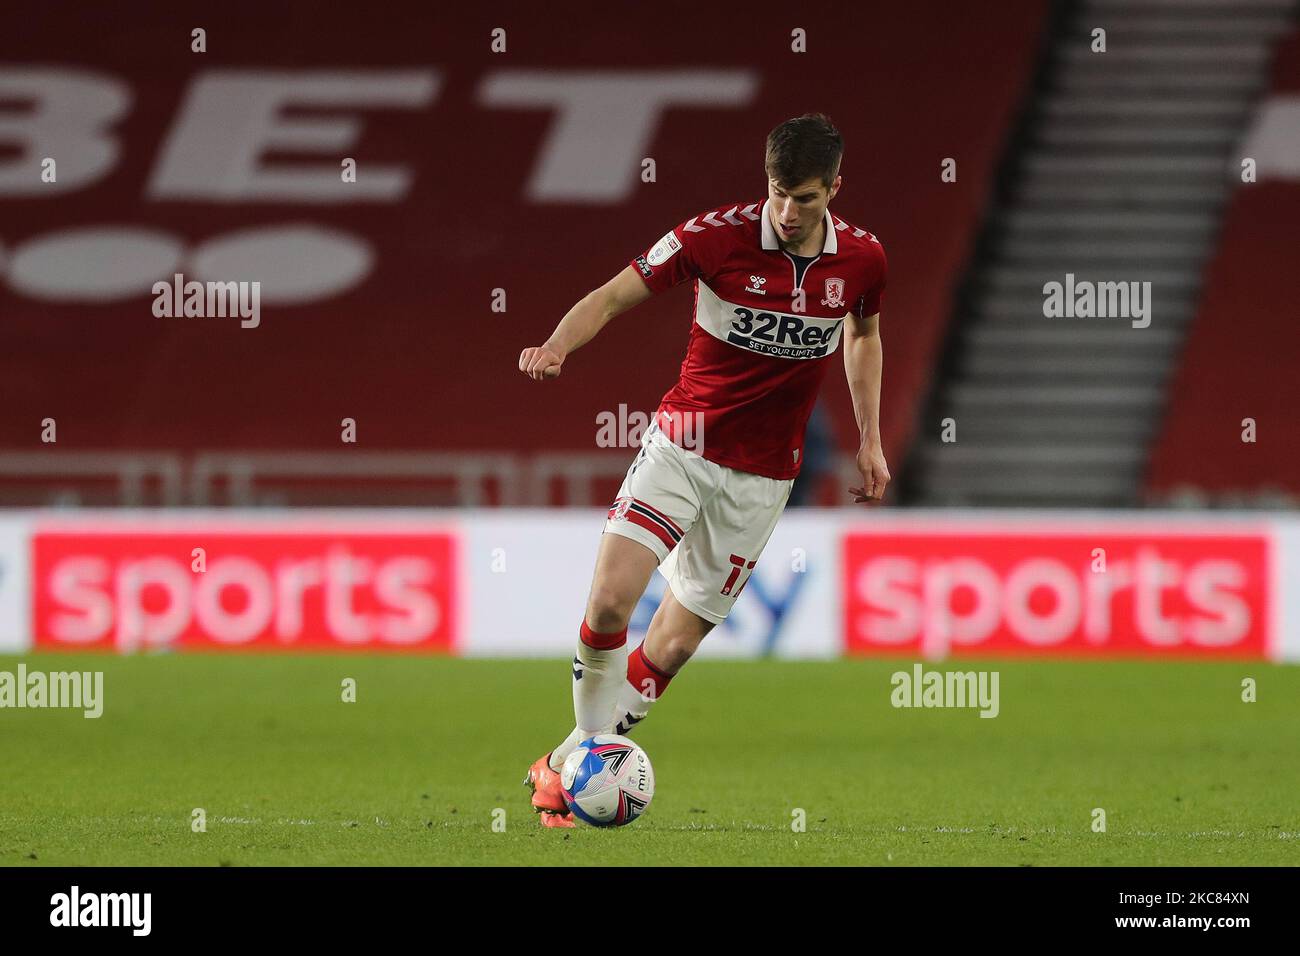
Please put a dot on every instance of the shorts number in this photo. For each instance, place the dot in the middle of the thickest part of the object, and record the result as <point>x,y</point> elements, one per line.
<point>739,565</point>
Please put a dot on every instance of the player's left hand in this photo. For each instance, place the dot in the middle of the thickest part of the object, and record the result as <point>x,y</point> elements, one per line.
<point>875,474</point>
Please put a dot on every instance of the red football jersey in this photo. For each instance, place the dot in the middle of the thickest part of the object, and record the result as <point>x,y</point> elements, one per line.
<point>759,343</point>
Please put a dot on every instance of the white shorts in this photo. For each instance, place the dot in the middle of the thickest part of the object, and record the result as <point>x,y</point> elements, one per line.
<point>706,523</point>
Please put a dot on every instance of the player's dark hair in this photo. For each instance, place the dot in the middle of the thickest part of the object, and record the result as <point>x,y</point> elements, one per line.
<point>802,148</point>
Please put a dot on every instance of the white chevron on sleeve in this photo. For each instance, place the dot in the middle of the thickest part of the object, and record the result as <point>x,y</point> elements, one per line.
<point>748,211</point>
<point>730,216</point>
<point>712,219</point>
<point>841,225</point>
<point>690,225</point>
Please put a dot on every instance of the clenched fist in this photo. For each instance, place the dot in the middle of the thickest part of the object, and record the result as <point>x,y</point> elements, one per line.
<point>540,362</point>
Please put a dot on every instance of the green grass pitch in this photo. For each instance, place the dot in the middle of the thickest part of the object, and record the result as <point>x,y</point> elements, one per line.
<point>412,772</point>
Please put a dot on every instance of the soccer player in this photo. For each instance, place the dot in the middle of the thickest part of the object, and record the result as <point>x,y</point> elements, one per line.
<point>777,284</point>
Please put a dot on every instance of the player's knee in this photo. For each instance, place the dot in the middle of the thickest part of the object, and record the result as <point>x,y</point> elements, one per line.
<point>608,610</point>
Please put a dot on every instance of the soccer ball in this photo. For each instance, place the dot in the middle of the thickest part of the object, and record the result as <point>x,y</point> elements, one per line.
<point>607,781</point>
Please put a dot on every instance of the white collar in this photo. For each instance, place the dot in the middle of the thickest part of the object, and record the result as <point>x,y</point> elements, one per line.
<point>769,233</point>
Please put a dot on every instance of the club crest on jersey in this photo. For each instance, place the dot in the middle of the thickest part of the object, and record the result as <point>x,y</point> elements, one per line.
<point>619,511</point>
<point>756,284</point>
<point>834,294</point>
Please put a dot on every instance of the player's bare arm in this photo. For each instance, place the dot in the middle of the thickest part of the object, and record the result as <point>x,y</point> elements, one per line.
<point>863,362</point>
<point>582,323</point>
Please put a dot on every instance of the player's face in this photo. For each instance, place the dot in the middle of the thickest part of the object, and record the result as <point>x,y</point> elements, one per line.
<point>798,210</point>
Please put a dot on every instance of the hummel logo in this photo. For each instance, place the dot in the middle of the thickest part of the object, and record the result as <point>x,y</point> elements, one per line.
<point>755,283</point>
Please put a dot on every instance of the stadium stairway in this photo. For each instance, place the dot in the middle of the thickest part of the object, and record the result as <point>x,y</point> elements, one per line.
<point>1119,172</point>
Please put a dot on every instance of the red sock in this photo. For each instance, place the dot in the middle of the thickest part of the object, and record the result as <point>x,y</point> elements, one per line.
<point>645,676</point>
<point>602,642</point>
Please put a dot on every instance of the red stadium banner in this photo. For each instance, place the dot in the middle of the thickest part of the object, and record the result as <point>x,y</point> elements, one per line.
<point>257,590</point>
<point>325,157</point>
<point>1067,593</point>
